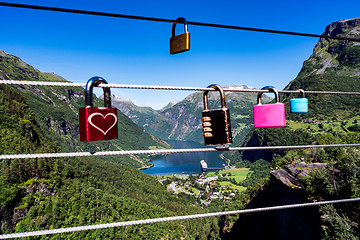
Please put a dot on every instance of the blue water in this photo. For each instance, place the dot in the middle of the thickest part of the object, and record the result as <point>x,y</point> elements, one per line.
<point>184,163</point>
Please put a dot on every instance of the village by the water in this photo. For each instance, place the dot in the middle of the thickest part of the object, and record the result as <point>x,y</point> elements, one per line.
<point>209,186</point>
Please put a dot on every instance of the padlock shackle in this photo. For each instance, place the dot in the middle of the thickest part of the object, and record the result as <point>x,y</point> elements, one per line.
<point>301,91</point>
<point>222,96</point>
<point>271,89</point>
<point>94,82</point>
<point>179,20</point>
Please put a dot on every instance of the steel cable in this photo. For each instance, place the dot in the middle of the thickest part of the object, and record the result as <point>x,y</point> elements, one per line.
<point>116,15</point>
<point>167,219</point>
<point>147,221</point>
<point>153,87</point>
<point>166,151</point>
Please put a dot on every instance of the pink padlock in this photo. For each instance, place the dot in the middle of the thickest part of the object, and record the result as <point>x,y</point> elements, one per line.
<point>269,115</point>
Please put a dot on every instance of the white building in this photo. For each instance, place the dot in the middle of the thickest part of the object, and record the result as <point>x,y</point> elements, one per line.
<point>206,180</point>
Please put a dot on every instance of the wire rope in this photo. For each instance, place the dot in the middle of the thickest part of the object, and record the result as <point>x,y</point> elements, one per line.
<point>167,219</point>
<point>146,221</point>
<point>166,151</point>
<point>116,15</point>
<point>54,231</point>
<point>153,87</point>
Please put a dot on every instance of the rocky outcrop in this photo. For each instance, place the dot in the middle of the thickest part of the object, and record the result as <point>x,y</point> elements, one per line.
<point>15,68</point>
<point>333,53</point>
<point>62,127</point>
<point>41,188</point>
<point>10,215</point>
<point>296,223</point>
<point>292,174</point>
<point>348,26</point>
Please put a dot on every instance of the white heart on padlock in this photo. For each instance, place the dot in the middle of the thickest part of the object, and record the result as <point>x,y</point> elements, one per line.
<point>109,114</point>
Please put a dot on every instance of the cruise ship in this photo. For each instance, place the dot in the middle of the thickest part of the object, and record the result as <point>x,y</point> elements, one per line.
<point>203,166</point>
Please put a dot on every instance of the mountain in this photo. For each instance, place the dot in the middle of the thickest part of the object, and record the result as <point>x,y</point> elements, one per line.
<point>56,111</point>
<point>333,66</point>
<point>139,115</point>
<point>332,119</point>
<point>48,193</point>
<point>182,120</point>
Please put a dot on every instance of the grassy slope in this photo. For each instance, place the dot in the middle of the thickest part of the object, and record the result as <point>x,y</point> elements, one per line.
<point>342,74</point>
<point>239,174</point>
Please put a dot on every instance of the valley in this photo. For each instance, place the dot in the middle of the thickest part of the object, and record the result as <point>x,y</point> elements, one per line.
<point>183,163</point>
<point>182,120</point>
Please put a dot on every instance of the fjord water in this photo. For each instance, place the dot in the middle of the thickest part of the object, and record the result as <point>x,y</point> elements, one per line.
<point>184,163</point>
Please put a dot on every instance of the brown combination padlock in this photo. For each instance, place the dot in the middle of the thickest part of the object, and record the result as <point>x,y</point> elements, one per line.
<point>216,123</point>
<point>180,43</point>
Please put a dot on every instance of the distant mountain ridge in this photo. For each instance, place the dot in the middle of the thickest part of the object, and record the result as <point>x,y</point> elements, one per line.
<point>181,120</point>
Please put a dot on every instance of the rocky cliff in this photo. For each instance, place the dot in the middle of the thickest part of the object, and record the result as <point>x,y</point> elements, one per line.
<point>283,188</point>
<point>292,174</point>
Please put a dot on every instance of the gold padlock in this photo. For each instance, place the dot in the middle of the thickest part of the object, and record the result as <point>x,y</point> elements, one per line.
<point>180,43</point>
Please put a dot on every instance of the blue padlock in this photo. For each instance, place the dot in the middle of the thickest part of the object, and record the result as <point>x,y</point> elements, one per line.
<point>299,105</point>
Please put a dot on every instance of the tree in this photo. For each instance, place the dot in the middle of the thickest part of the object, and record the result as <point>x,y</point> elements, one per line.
<point>337,227</point>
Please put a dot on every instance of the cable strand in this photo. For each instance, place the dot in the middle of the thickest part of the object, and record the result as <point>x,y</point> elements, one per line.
<point>167,219</point>
<point>166,151</point>
<point>153,87</point>
<point>116,15</point>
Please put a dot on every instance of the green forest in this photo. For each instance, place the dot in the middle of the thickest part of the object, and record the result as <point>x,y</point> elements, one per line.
<point>48,193</point>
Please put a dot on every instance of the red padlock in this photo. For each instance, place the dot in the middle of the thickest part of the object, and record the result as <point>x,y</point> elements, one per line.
<point>97,123</point>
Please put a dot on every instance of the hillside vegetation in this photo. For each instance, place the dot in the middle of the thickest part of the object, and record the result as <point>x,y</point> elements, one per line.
<point>56,112</point>
<point>47,193</point>
<point>333,66</point>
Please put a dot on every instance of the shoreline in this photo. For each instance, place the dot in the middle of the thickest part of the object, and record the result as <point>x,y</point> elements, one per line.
<point>146,167</point>
<point>181,164</point>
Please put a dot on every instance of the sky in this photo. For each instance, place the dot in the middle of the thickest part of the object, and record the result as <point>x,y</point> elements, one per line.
<point>124,51</point>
